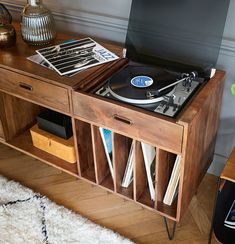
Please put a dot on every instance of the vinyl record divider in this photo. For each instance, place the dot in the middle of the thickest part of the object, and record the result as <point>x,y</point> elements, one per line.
<point>84,145</point>
<point>165,162</point>
<point>140,176</point>
<point>102,171</point>
<point>74,127</point>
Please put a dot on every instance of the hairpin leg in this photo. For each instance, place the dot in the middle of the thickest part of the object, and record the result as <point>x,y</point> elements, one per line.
<point>170,235</point>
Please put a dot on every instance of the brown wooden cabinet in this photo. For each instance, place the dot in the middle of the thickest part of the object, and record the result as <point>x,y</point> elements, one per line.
<point>27,88</point>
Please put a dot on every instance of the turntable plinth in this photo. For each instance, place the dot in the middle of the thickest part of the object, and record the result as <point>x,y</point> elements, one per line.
<point>27,88</point>
<point>192,135</point>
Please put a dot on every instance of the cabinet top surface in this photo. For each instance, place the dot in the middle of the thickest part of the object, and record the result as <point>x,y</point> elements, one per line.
<point>15,59</point>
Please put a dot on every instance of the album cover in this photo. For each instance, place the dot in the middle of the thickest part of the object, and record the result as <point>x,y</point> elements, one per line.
<point>128,175</point>
<point>76,55</point>
<point>106,136</point>
<point>36,58</point>
<point>172,188</point>
<point>149,154</point>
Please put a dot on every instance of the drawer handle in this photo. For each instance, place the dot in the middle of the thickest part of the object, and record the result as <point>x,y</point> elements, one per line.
<point>122,119</point>
<point>26,86</point>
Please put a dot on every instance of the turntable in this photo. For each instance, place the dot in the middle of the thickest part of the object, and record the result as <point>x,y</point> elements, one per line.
<point>172,52</point>
<point>151,88</point>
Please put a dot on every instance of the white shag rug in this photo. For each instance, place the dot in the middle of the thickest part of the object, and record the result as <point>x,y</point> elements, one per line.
<point>27,217</point>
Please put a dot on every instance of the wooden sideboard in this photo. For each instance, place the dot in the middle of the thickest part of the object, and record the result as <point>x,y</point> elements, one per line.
<point>27,88</point>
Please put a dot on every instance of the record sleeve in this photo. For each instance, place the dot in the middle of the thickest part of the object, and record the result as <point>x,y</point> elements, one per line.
<point>106,136</point>
<point>128,175</point>
<point>38,59</point>
<point>172,187</point>
<point>149,154</point>
<point>76,55</point>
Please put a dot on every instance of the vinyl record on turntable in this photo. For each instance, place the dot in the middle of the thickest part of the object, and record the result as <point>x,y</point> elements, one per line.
<point>132,83</point>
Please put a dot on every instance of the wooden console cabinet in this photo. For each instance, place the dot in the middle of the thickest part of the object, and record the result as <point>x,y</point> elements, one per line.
<point>27,88</point>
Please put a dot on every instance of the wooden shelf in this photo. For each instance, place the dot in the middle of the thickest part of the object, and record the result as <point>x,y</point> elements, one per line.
<point>23,143</point>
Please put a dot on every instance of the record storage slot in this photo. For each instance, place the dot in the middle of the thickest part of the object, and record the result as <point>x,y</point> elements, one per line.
<point>95,167</point>
<point>141,188</point>
<point>123,148</point>
<point>85,150</point>
<point>102,170</point>
<point>165,163</point>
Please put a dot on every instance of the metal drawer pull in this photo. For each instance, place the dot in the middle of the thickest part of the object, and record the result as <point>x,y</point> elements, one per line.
<point>122,119</point>
<point>26,86</point>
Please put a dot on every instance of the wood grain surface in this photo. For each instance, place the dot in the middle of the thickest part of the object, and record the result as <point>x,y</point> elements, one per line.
<point>32,89</point>
<point>16,115</point>
<point>201,122</point>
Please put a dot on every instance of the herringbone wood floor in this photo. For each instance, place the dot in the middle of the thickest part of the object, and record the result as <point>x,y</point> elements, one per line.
<point>122,216</point>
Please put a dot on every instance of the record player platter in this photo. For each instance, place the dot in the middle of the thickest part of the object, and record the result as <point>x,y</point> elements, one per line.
<point>131,85</point>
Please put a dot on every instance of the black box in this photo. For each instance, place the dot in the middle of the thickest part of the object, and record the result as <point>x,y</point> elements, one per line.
<point>55,123</point>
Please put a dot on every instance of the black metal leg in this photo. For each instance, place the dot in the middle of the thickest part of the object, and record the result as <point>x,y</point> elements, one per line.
<point>170,235</point>
<point>213,216</point>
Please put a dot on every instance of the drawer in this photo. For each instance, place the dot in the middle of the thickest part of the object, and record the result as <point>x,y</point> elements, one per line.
<point>141,126</point>
<point>35,90</point>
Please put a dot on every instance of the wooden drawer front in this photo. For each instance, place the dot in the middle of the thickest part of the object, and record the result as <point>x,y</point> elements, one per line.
<point>34,90</point>
<point>159,132</point>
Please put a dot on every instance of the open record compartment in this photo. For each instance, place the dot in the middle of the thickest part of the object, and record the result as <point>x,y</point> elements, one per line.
<point>143,194</point>
<point>17,126</point>
<point>84,150</point>
<point>124,161</point>
<point>103,156</point>
<point>165,173</point>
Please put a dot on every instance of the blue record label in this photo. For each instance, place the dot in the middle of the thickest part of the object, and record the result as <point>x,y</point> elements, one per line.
<point>141,81</point>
